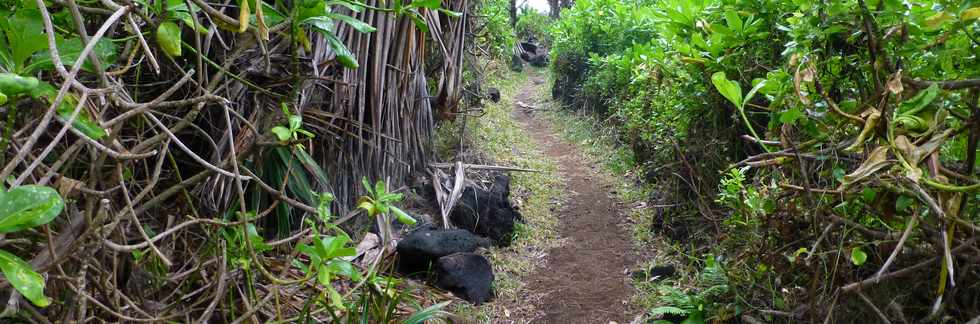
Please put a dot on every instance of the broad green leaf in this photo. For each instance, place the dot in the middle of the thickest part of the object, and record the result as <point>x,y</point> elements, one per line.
<point>748,96</point>
<point>353,22</point>
<point>25,36</point>
<point>858,256</point>
<point>28,206</point>
<point>282,133</point>
<point>418,21</point>
<point>790,116</point>
<point>20,275</point>
<point>344,56</point>
<point>336,300</point>
<point>733,20</point>
<point>937,20</point>
<point>168,37</point>
<point>431,4</point>
<point>402,216</point>
<point>367,185</point>
<point>729,89</point>
<point>83,122</point>
<point>970,14</point>
<point>69,50</point>
<point>295,122</point>
<point>3,99</point>
<point>312,166</point>
<point>919,101</point>
<point>696,317</point>
<point>12,84</point>
<point>344,268</point>
<point>258,243</point>
<point>903,203</point>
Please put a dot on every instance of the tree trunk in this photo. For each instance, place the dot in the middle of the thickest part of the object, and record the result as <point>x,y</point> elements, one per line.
<point>554,4</point>
<point>513,13</point>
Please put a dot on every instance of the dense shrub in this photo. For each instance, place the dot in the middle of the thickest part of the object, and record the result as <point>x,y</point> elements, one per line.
<point>838,149</point>
<point>532,24</point>
<point>495,32</point>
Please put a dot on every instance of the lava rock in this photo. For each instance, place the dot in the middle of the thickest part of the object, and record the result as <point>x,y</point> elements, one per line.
<point>529,47</point>
<point>423,246</point>
<point>655,273</point>
<point>539,60</point>
<point>493,94</point>
<point>466,275</point>
<point>487,212</point>
<point>516,64</point>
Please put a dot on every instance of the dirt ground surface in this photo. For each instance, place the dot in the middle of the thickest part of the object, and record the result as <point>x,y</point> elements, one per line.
<point>585,280</point>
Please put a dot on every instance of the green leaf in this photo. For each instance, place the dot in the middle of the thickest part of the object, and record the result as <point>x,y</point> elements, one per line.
<point>25,36</point>
<point>69,50</point>
<point>28,206</point>
<point>970,14</point>
<point>344,56</point>
<point>418,21</point>
<point>258,243</point>
<point>323,208</point>
<point>734,22</point>
<point>426,314</point>
<point>450,13</point>
<point>938,20</point>
<point>83,122</point>
<point>295,122</point>
<point>790,116</point>
<point>431,4</point>
<point>353,22</point>
<point>919,101</point>
<point>402,216</point>
<point>903,203</point>
<point>668,310</point>
<point>858,256</point>
<point>344,268</point>
<point>20,275</point>
<point>748,96</point>
<point>12,84</point>
<point>282,133</point>
<point>729,89</point>
<point>367,185</point>
<point>695,318</point>
<point>168,37</point>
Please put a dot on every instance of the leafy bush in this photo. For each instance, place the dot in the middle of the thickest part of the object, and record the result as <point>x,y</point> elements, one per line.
<point>497,34</point>
<point>532,24</point>
<point>853,121</point>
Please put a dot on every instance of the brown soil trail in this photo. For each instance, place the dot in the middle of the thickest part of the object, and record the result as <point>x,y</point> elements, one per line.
<point>584,280</point>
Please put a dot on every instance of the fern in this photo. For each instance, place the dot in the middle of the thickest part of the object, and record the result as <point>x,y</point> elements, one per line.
<point>713,286</point>
<point>668,310</point>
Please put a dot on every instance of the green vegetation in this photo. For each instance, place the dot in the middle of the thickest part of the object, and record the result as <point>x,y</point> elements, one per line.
<point>202,161</point>
<point>812,147</point>
<point>21,208</point>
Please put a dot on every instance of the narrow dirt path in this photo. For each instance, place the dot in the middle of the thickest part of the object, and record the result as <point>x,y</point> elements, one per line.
<point>584,280</point>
